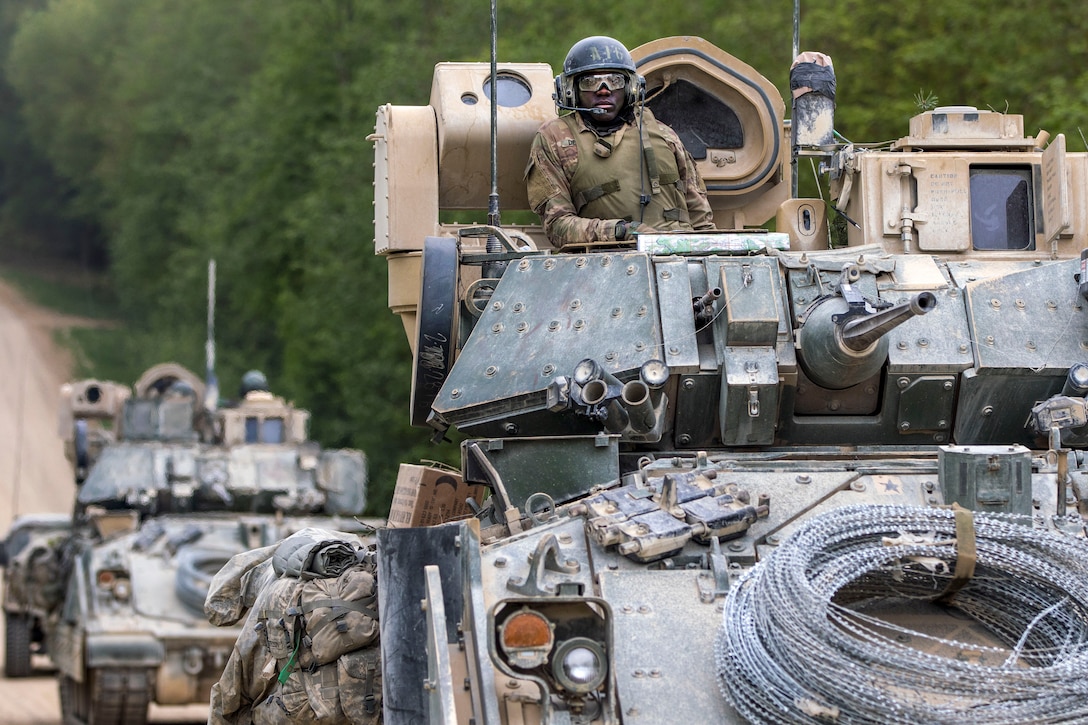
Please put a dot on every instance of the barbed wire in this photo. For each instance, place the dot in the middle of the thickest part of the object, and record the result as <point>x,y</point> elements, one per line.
<point>797,646</point>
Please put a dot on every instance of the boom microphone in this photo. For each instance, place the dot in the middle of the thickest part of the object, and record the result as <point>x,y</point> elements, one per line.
<point>594,111</point>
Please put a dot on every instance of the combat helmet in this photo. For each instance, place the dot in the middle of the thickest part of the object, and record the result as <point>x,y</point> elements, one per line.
<point>253,381</point>
<point>596,53</point>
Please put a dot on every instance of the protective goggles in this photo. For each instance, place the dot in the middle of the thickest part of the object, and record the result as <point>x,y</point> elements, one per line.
<point>611,81</point>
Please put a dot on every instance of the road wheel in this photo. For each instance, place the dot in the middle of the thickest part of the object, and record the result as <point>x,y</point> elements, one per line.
<point>119,696</point>
<point>17,644</point>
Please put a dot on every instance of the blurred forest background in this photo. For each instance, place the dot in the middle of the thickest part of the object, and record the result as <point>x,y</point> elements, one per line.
<point>141,138</point>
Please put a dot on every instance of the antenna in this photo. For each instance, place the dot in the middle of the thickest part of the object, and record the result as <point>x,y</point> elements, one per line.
<point>493,198</point>
<point>796,52</point>
<point>494,269</point>
<point>211,383</point>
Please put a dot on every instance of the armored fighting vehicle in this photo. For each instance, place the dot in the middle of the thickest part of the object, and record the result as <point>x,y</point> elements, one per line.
<point>777,476</point>
<point>168,492</point>
<point>31,589</point>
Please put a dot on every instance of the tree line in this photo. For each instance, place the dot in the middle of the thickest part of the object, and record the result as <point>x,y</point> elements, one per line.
<point>145,137</point>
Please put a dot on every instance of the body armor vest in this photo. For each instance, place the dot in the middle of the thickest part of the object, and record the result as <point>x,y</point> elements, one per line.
<point>607,183</point>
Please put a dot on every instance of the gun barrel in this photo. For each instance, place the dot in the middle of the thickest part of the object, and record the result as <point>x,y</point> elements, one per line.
<point>860,333</point>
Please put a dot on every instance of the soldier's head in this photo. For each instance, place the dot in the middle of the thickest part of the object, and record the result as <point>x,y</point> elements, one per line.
<point>252,381</point>
<point>598,73</point>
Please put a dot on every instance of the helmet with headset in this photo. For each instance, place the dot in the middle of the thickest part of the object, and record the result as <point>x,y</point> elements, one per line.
<point>596,53</point>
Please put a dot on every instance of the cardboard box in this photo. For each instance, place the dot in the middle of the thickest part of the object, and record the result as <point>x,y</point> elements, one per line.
<point>427,495</point>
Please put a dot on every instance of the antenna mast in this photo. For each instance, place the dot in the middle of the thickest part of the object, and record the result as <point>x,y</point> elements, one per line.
<point>796,52</point>
<point>493,199</point>
<point>211,383</point>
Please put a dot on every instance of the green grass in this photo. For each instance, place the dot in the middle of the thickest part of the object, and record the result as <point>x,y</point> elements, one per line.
<point>69,291</point>
<point>100,352</point>
<point>97,339</point>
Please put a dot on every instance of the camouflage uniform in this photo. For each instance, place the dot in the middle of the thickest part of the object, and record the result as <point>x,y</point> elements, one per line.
<point>582,184</point>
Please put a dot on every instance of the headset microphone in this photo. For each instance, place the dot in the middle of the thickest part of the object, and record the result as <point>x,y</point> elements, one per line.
<point>594,111</point>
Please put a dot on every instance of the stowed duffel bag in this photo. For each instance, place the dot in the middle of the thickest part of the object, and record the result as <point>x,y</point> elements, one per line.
<point>320,624</point>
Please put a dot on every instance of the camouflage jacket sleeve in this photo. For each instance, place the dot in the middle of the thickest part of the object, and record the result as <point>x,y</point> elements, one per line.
<point>699,212</point>
<point>549,192</point>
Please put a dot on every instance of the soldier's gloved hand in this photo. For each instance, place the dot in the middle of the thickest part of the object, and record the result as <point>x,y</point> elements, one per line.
<point>627,231</point>
<point>640,228</point>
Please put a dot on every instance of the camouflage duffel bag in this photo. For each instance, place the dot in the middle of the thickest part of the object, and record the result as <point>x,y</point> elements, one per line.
<point>347,691</point>
<point>312,623</point>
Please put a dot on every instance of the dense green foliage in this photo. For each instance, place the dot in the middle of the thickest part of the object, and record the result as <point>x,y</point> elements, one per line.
<point>152,135</point>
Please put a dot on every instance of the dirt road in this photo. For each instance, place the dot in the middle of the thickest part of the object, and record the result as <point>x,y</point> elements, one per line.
<point>34,475</point>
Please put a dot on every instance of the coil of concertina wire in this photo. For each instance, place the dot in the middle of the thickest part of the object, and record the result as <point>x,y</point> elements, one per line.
<point>796,646</point>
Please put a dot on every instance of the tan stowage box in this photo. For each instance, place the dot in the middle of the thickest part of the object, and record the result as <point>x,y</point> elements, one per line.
<point>430,495</point>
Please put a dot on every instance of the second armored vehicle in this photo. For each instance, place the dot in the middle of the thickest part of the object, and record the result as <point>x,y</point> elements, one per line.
<point>168,492</point>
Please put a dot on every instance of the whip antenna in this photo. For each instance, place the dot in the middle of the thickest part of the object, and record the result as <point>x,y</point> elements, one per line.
<point>493,199</point>
<point>211,383</point>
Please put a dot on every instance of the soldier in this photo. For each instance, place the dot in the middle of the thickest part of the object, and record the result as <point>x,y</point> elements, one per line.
<point>610,170</point>
<point>253,381</point>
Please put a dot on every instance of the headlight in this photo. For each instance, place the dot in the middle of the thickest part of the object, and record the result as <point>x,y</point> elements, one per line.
<point>579,665</point>
<point>115,583</point>
<point>122,590</point>
<point>526,638</point>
